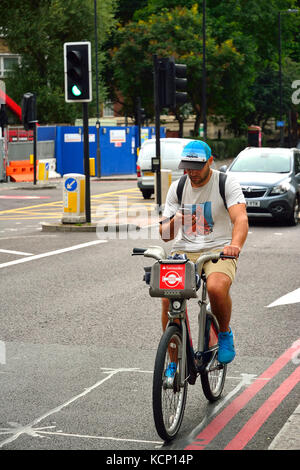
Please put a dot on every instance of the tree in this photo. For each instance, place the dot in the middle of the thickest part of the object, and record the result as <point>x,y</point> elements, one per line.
<point>178,33</point>
<point>37,31</point>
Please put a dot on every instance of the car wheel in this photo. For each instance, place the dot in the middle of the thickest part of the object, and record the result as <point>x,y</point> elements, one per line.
<point>293,219</point>
<point>146,193</point>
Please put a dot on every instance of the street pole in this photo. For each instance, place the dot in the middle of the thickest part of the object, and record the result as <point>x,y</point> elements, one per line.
<point>204,70</point>
<point>98,154</point>
<point>86,161</point>
<point>280,79</point>
<point>157,130</point>
<point>138,115</point>
<point>34,151</point>
<point>290,10</point>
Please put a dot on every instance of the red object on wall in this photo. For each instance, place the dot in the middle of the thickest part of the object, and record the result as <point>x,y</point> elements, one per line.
<point>11,104</point>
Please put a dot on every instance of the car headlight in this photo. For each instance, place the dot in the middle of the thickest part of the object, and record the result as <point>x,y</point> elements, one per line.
<point>281,188</point>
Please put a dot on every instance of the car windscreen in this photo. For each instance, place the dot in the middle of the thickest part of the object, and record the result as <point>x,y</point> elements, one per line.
<point>264,162</point>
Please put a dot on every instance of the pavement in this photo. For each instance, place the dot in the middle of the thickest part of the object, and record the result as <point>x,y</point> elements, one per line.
<point>288,437</point>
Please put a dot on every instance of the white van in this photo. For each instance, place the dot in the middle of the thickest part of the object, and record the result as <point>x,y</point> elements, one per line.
<point>170,151</point>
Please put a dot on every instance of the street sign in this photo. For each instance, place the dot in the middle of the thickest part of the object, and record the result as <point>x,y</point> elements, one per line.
<point>71,184</point>
<point>280,123</point>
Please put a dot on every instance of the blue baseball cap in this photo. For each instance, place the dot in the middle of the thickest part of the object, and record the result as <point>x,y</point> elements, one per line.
<point>194,155</point>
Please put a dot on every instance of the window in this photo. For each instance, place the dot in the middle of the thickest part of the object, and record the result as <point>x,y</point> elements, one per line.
<point>7,64</point>
<point>108,109</point>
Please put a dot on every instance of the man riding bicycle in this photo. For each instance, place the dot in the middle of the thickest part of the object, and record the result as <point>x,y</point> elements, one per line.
<point>202,223</point>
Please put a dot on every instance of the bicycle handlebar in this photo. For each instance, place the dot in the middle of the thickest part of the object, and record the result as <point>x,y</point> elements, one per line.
<point>159,254</point>
<point>138,251</point>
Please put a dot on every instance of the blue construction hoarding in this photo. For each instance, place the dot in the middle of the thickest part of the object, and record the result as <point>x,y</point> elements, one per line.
<point>118,148</point>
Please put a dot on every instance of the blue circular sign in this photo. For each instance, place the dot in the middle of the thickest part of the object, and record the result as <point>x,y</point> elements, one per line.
<point>70,184</point>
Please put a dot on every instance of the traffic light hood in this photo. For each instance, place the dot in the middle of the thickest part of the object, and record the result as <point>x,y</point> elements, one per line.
<point>195,155</point>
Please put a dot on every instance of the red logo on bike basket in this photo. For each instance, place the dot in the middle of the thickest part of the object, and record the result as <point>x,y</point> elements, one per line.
<point>172,276</point>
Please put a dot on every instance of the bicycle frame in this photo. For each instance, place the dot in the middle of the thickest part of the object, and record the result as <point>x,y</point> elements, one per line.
<point>195,359</point>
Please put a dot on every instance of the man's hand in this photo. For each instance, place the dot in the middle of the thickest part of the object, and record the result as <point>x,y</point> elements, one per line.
<point>232,250</point>
<point>185,218</point>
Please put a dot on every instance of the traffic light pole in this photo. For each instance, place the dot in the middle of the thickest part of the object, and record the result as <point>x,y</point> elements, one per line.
<point>138,119</point>
<point>34,151</point>
<point>86,161</point>
<point>157,131</point>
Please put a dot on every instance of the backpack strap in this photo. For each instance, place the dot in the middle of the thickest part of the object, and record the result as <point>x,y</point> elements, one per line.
<point>222,180</point>
<point>180,186</point>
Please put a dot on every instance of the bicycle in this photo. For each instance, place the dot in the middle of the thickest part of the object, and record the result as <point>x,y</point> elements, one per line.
<point>179,280</point>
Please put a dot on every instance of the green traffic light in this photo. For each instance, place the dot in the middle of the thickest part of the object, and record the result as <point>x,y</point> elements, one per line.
<point>76,91</point>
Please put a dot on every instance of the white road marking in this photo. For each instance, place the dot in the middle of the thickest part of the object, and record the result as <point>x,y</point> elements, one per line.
<point>104,438</point>
<point>290,298</point>
<point>51,253</point>
<point>16,252</point>
<point>18,429</point>
<point>26,236</point>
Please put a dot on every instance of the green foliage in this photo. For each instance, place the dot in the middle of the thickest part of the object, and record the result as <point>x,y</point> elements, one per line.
<point>227,148</point>
<point>37,31</point>
<point>178,33</point>
<point>241,48</point>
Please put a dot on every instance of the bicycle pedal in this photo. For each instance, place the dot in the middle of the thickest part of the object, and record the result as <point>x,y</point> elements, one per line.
<point>192,378</point>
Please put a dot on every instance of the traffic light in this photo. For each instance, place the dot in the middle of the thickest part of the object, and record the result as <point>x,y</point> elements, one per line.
<point>172,83</point>
<point>142,115</point>
<point>29,111</point>
<point>3,116</point>
<point>78,74</point>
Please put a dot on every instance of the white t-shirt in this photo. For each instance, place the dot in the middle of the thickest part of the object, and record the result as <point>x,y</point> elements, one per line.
<point>213,227</point>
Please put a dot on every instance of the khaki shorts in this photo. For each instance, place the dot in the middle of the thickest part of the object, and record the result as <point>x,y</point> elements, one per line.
<point>226,266</point>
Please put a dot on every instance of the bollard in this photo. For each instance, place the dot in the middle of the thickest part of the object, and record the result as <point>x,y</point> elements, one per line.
<point>92,167</point>
<point>73,198</point>
<point>43,171</point>
<point>166,180</point>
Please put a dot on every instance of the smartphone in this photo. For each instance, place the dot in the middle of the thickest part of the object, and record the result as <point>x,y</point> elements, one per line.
<point>185,211</point>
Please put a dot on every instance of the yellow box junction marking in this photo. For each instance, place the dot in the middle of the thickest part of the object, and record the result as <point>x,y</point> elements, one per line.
<point>54,210</point>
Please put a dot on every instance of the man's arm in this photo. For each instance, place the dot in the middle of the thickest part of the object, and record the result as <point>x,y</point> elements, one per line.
<point>239,219</point>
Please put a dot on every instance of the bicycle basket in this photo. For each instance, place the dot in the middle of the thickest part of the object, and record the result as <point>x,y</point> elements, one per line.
<point>173,278</point>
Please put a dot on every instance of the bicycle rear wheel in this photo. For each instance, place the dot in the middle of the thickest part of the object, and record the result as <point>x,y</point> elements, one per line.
<point>213,377</point>
<point>168,396</point>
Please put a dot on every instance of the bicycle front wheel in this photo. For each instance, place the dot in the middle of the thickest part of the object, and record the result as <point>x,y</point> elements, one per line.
<point>213,378</point>
<point>169,396</point>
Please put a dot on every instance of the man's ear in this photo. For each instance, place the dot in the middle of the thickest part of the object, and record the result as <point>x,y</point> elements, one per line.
<point>210,160</point>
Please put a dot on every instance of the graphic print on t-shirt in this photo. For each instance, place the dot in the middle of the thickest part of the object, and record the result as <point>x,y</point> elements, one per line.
<point>204,220</point>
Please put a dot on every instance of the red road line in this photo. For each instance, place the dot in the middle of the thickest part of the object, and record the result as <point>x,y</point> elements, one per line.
<point>221,420</point>
<point>263,413</point>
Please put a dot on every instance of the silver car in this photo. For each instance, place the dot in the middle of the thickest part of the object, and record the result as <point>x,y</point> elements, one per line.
<point>270,181</point>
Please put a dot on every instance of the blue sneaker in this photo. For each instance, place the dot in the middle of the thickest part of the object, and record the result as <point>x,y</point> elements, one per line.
<point>171,370</point>
<point>226,351</point>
